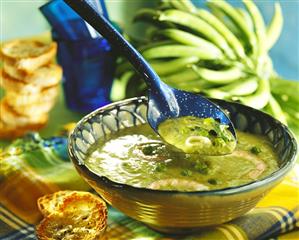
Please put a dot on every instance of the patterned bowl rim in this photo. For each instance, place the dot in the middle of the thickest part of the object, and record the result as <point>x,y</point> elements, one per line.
<point>224,191</point>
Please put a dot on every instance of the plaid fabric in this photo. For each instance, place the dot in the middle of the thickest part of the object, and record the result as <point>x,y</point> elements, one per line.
<point>12,227</point>
<point>27,176</point>
<point>263,222</point>
<point>260,223</point>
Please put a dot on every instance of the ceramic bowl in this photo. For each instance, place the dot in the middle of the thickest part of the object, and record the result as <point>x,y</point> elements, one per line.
<point>173,211</point>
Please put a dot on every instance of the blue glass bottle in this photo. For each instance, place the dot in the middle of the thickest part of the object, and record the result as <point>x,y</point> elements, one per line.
<point>87,59</point>
<point>88,68</point>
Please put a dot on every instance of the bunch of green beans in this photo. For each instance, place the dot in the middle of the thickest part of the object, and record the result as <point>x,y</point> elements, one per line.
<point>221,52</point>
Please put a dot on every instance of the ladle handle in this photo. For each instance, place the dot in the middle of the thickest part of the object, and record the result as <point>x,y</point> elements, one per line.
<point>104,27</point>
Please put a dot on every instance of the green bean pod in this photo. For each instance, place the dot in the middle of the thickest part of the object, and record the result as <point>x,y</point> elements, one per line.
<point>237,19</point>
<point>183,76</point>
<point>223,30</point>
<point>228,23</point>
<point>155,44</point>
<point>122,68</point>
<point>219,76</point>
<point>188,39</point>
<point>171,66</point>
<point>146,14</point>
<point>259,25</point>
<point>118,88</point>
<point>193,22</point>
<point>163,5</point>
<point>177,4</point>
<point>150,16</point>
<point>260,98</point>
<point>242,87</point>
<point>246,17</point>
<point>161,67</point>
<point>126,66</point>
<point>191,86</point>
<point>216,93</point>
<point>189,6</point>
<point>275,27</point>
<point>275,109</point>
<point>173,50</point>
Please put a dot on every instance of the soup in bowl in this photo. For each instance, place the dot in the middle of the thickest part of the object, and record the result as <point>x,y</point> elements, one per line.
<point>119,155</point>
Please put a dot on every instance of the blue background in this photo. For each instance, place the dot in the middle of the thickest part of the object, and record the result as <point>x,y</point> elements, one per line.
<point>20,18</point>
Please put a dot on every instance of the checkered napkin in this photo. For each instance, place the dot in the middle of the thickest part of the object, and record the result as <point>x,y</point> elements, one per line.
<point>275,215</point>
<point>260,223</point>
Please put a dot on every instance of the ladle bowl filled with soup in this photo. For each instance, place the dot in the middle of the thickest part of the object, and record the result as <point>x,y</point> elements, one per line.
<point>173,191</point>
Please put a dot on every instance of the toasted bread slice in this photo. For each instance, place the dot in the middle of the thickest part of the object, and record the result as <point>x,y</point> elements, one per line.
<point>37,108</point>
<point>75,215</point>
<point>28,55</point>
<point>25,99</point>
<point>14,85</point>
<point>14,119</point>
<point>46,75</point>
<point>67,227</point>
<point>8,131</point>
<point>9,68</point>
<point>50,203</point>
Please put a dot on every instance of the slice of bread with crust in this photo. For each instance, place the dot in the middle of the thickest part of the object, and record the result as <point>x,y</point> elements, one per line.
<point>14,119</point>
<point>71,215</point>
<point>50,203</point>
<point>14,85</point>
<point>67,227</point>
<point>25,99</point>
<point>36,109</point>
<point>44,77</point>
<point>10,69</point>
<point>8,131</point>
<point>28,55</point>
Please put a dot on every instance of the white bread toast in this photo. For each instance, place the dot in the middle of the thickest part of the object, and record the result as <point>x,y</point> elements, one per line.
<point>13,85</point>
<point>8,131</point>
<point>44,76</point>
<point>12,71</point>
<point>14,119</point>
<point>50,203</point>
<point>25,99</point>
<point>35,109</point>
<point>71,215</point>
<point>28,55</point>
<point>66,227</point>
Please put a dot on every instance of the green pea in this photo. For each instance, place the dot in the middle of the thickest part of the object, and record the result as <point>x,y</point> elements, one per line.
<point>255,150</point>
<point>186,173</point>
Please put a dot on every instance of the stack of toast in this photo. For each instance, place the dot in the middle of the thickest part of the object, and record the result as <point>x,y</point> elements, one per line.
<point>31,80</point>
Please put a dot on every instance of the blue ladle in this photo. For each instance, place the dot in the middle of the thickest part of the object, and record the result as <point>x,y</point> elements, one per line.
<point>164,102</point>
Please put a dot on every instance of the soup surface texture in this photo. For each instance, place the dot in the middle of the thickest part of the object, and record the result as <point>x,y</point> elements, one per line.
<point>204,136</point>
<point>137,156</point>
